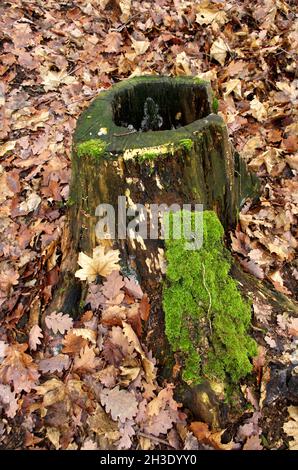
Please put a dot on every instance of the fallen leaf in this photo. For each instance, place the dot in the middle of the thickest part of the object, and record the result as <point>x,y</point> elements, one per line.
<point>101,264</point>
<point>112,42</point>
<point>8,278</point>
<point>19,369</point>
<point>101,424</point>
<point>133,288</point>
<point>210,15</point>
<point>258,110</point>
<point>56,363</point>
<point>8,401</point>
<point>73,343</point>
<point>144,308</point>
<point>89,444</point>
<point>86,359</point>
<point>121,404</point>
<point>219,50</point>
<point>213,439</point>
<point>291,427</point>
<point>52,80</point>
<point>112,286</point>
<point>35,335</point>
<point>58,322</point>
<point>140,47</point>
<point>125,6</point>
<point>253,443</point>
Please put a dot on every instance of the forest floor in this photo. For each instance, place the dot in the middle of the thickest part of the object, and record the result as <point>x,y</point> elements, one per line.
<point>88,384</point>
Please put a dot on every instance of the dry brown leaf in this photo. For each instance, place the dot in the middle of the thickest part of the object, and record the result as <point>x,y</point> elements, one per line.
<point>35,336</point>
<point>52,80</point>
<point>121,404</point>
<point>101,424</point>
<point>18,369</point>
<point>53,434</point>
<point>58,322</point>
<point>133,288</point>
<point>101,264</point>
<point>125,6</point>
<point>258,110</point>
<point>144,308</point>
<point>140,47</point>
<point>291,427</point>
<point>253,443</point>
<point>86,333</point>
<point>213,439</point>
<point>113,42</point>
<point>112,286</point>
<point>73,343</point>
<point>208,15</point>
<point>147,364</point>
<point>56,363</point>
<point>219,50</point>
<point>8,277</point>
<point>89,444</point>
<point>8,401</point>
<point>86,359</point>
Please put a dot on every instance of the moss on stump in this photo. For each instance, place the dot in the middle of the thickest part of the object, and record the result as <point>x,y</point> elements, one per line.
<point>206,318</point>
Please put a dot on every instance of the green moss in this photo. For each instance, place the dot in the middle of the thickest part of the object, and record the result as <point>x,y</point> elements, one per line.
<point>186,144</point>
<point>200,81</point>
<point>207,320</point>
<point>149,156</point>
<point>93,148</point>
<point>215,105</point>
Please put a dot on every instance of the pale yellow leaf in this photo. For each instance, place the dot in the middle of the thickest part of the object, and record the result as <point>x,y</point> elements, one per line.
<point>140,46</point>
<point>258,110</point>
<point>101,264</point>
<point>219,51</point>
<point>208,16</point>
<point>234,86</point>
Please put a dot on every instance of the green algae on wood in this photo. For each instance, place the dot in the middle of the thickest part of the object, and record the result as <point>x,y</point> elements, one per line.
<point>91,148</point>
<point>207,320</point>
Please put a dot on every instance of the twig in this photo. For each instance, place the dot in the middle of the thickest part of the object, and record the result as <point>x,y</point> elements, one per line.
<point>209,295</point>
<point>156,439</point>
<point>125,133</point>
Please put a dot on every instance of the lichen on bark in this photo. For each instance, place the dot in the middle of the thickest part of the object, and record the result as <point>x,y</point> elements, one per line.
<point>207,320</point>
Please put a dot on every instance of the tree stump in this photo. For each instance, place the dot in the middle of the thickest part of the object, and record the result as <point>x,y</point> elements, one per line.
<point>154,140</point>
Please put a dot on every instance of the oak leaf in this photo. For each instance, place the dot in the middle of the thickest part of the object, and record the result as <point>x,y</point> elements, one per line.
<point>100,423</point>
<point>8,400</point>
<point>35,335</point>
<point>8,277</point>
<point>56,363</point>
<point>86,359</point>
<point>121,404</point>
<point>89,444</point>
<point>19,369</point>
<point>58,322</point>
<point>133,288</point>
<point>73,343</point>
<point>112,286</point>
<point>291,427</point>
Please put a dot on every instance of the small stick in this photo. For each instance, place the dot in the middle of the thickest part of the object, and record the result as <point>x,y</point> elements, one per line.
<point>125,133</point>
<point>156,439</point>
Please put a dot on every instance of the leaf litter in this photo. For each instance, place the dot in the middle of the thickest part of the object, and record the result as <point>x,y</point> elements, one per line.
<point>66,372</point>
